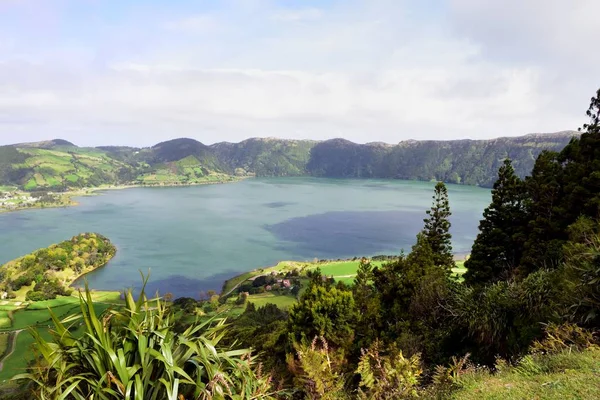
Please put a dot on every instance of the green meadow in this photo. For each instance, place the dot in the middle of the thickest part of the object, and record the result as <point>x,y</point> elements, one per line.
<point>18,319</point>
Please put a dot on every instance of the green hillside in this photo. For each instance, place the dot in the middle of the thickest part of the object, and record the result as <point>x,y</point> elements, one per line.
<point>59,165</point>
<point>471,162</point>
<point>266,157</point>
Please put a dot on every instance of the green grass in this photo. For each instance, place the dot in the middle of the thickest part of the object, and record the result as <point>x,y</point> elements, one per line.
<point>16,363</point>
<point>459,270</point>
<point>26,318</point>
<point>106,297</point>
<point>344,271</point>
<point>72,178</point>
<point>3,343</point>
<point>280,301</point>
<point>39,319</point>
<point>567,375</point>
<point>233,282</point>
<point>5,321</point>
<point>58,302</point>
<point>22,293</point>
<point>30,185</point>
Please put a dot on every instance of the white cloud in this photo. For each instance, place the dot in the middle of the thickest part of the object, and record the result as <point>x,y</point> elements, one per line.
<point>363,70</point>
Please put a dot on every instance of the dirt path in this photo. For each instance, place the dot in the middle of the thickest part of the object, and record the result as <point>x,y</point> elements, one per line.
<point>13,346</point>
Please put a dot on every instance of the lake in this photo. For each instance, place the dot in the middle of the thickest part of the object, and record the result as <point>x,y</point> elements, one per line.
<point>193,238</point>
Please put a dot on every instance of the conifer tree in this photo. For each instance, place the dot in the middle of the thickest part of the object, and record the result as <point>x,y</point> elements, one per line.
<point>437,228</point>
<point>368,308</point>
<point>562,187</point>
<point>581,159</point>
<point>499,245</point>
<point>545,231</point>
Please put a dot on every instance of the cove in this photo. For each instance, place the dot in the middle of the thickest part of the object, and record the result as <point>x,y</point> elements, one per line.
<point>193,238</point>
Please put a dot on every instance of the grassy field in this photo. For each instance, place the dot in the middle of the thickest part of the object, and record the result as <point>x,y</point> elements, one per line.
<point>568,375</point>
<point>37,314</point>
<point>3,343</point>
<point>459,270</point>
<point>16,363</point>
<point>344,271</point>
<point>57,168</point>
<point>262,299</point>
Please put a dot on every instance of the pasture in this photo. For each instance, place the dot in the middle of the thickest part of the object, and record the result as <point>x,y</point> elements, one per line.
<point>281,301</point>
<point>37,315</point>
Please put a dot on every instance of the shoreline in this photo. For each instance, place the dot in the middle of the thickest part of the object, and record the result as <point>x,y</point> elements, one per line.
<point>92,191</point>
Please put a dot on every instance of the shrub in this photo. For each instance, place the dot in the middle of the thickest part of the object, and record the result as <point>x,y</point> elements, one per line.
<point>388,376</point>
<point>317,370</point>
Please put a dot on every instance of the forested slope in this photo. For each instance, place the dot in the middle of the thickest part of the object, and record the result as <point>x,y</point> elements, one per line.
<point>59,165</point>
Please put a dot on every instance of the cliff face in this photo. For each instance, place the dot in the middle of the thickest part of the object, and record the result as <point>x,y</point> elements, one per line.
<point>472,162</point>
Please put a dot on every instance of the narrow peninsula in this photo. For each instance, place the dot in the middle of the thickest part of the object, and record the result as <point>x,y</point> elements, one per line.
<point>47,273</point>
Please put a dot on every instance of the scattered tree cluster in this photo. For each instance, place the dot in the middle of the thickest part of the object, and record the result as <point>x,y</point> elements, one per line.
<point>54,268</point>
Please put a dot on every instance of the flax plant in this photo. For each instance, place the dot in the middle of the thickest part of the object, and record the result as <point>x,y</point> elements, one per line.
<point>131,352</point>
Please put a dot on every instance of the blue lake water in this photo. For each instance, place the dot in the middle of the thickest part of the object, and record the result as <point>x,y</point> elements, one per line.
<point>193,238</point>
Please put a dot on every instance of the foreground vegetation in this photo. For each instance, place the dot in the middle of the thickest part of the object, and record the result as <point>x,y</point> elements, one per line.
<point>131,353</point>
<point>567,375</point>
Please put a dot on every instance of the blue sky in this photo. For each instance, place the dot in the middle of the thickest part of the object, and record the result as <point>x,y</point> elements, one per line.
<point>138,72</point>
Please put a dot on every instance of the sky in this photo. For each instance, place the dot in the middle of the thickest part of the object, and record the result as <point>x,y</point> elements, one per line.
<point>133,72</point>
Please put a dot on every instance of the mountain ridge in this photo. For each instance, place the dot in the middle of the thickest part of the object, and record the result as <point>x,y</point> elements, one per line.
<point>60,164</point>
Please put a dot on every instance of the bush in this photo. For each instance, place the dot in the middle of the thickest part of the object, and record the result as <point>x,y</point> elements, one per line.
<point>242,298</point>
<point>388,375</point>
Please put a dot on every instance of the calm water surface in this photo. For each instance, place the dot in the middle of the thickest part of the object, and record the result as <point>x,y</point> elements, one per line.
<point>192,238</point>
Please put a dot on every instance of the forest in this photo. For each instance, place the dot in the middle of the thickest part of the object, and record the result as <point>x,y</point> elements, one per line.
<point>527,307</point>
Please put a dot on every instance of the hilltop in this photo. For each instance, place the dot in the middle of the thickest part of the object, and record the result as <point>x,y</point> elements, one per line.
<point>60,165</point>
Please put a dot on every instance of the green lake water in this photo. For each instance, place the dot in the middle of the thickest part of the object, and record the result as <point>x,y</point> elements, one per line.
<point>193,238</point>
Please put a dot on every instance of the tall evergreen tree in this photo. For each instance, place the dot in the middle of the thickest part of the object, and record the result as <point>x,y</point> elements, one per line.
<point>368,319</point>
<point>581,159</point>
<point>562,187</point>
<point>499,245</point>
<point>437,228</point>
<point>545,231</point>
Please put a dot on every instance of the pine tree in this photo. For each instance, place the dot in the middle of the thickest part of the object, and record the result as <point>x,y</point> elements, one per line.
<point>581,159</point>
<point>562,187</point>
<point>368,306</point>
<point>499,245</point>
<point>545,231</point>
<point>437,229</point>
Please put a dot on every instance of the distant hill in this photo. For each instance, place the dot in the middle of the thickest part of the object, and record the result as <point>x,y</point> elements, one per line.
<point>471,162</point>
<point>265,157</point>
<point>59,164</point>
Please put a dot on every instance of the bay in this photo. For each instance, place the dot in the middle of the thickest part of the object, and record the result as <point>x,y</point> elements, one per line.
<point>191,239</point>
